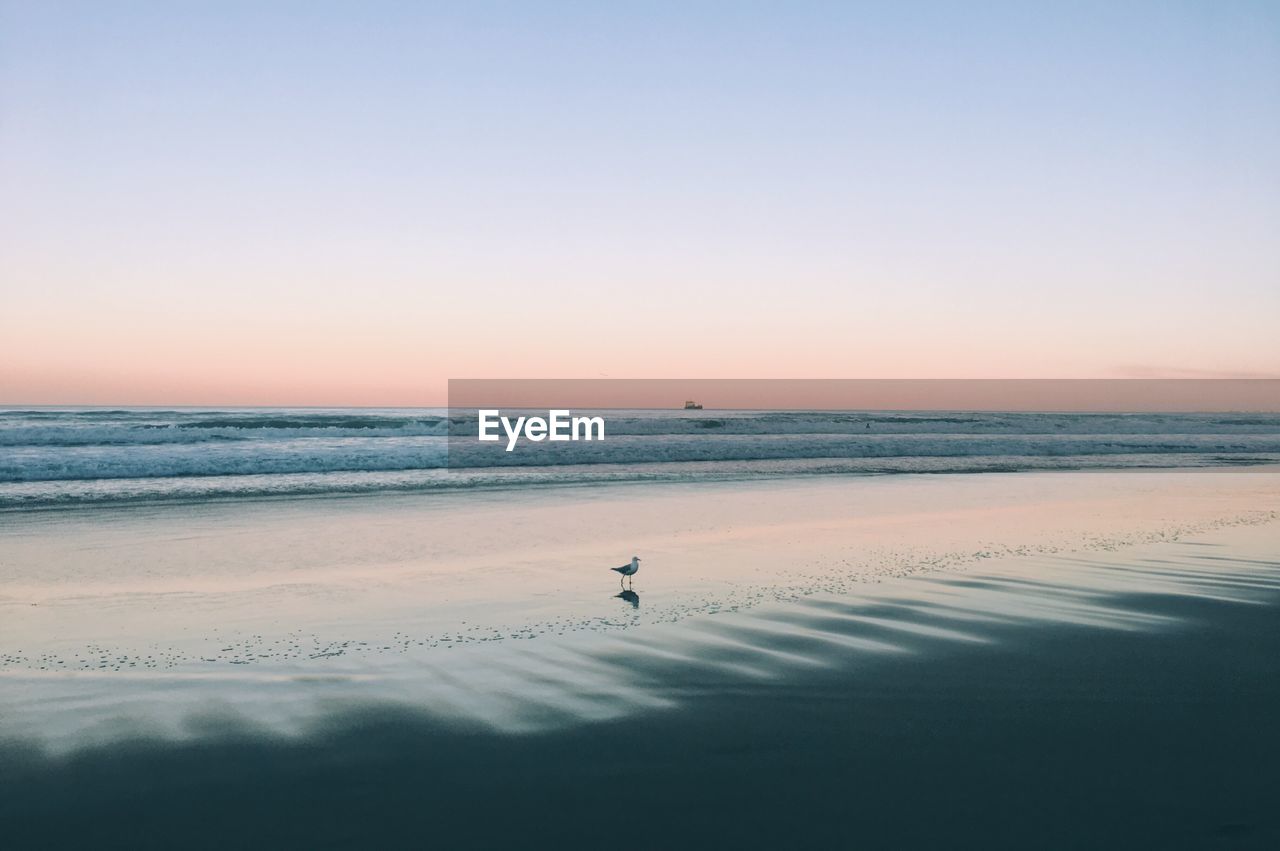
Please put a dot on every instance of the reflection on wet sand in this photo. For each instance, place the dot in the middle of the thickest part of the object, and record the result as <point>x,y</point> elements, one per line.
<point>1053,702</point>
<point>519,684</point>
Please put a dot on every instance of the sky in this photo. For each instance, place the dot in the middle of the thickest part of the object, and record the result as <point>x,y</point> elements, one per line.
<point>351,203</point>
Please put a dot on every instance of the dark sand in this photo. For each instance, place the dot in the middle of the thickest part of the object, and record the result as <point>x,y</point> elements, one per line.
<point>1041,734</point>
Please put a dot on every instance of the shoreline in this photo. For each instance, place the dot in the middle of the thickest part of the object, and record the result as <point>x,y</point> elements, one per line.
<point>462,490</point>
<point>936,659</point>
<point>1137,687</point>
<point>423,599</point>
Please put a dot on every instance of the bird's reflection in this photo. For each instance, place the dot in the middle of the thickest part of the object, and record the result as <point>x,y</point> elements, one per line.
<point>631,597</point>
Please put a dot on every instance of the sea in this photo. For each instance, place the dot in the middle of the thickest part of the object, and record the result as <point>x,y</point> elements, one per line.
<point>68,457</point>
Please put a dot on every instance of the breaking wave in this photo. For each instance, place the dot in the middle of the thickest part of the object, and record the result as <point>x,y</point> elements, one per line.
<point>67,457</point>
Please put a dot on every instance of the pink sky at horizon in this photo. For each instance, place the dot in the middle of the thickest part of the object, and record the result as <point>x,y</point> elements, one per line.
<point>175,389</point>
<point>173,360</point>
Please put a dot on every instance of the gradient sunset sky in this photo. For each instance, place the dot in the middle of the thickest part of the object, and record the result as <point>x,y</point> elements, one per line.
<point>349,203</point>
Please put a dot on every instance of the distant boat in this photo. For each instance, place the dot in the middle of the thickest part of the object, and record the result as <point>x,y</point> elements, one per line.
<point>692,406</point>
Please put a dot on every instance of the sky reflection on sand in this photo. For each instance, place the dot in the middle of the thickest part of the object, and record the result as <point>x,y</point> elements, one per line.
<point>523,686</point>
<point>500,613</point>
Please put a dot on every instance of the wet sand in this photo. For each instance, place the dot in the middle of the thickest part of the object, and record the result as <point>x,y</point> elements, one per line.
<point>1088,675</point>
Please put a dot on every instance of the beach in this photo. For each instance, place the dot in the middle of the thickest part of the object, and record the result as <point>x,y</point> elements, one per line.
<point>899,657</point>
<point>639,426</point>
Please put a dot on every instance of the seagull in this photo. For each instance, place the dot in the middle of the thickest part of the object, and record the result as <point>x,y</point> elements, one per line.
<point>628,569</point>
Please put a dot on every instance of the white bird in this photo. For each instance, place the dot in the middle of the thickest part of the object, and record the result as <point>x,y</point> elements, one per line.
<point>628,569</point>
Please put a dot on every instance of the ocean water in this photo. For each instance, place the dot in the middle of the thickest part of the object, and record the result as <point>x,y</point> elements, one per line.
<point>67,457</point>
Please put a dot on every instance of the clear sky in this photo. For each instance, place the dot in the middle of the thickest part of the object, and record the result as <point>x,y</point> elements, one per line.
<point>349,203</point>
